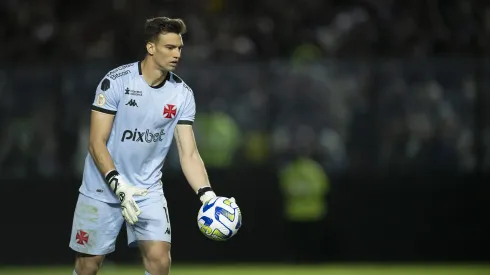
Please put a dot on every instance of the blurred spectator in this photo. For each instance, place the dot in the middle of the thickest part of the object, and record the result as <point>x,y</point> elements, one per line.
<point>362,85</point>
<point>53,31</point>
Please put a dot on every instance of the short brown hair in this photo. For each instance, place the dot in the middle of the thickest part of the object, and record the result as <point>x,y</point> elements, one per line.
<point>158,25</point>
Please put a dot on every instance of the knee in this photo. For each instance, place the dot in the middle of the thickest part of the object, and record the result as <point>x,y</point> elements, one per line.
<point>158,260</point>
<point>88,264</point>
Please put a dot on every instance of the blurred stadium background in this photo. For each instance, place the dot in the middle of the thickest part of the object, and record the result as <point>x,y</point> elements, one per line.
<point>354,134</point>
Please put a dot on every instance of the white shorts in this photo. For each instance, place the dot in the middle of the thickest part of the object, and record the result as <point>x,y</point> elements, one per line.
<point>97,224</point>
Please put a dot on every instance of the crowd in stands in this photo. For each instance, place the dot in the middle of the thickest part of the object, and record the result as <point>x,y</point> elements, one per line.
<point>358,85</point>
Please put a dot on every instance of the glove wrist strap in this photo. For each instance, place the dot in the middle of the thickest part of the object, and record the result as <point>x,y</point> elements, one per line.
<point>112,181</point>
<point>111,174</point>
<point>203,190</point>
<point>205,194</point>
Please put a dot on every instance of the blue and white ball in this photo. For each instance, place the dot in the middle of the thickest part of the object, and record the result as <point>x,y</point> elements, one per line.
<point>219,219</point>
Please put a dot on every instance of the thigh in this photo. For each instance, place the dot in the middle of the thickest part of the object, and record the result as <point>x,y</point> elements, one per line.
<point>153,223</point>
<point>95,227</point>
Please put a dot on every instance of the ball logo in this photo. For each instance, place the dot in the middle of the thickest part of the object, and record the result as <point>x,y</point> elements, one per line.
<point>146,136</point>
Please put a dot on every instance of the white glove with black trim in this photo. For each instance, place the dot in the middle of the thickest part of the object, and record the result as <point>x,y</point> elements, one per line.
<point>125,193</point>
<point>205,194</point>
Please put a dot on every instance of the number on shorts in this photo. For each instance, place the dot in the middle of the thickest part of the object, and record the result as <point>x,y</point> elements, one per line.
<point>166,214</point>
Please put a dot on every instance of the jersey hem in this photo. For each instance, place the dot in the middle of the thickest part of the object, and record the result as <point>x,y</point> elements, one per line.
<point>115,200</point>
<point>102,199</point>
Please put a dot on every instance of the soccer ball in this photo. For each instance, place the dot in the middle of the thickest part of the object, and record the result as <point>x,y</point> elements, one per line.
<point>219,219</point>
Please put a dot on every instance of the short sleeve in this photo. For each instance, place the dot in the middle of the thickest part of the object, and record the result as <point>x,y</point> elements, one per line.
<point>107,97</point>
<point>189,108</point>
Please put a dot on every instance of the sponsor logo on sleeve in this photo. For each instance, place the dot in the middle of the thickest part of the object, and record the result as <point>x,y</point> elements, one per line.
<point>101,99</point>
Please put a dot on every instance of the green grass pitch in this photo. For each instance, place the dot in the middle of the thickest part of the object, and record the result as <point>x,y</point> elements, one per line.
<point>272,270</point>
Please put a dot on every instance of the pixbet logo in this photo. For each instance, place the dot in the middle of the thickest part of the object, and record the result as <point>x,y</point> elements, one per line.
<point>142,136</point>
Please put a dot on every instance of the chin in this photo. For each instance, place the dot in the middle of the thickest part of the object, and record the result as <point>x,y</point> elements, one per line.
<point>167,68</point>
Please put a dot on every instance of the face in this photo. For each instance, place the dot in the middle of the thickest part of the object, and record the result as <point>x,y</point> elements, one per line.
<point>166,51</point>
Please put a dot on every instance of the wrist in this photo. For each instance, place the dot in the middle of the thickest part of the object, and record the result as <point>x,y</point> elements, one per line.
<point>110,174</point>
<point>112,180</point>
<point>205,194</point>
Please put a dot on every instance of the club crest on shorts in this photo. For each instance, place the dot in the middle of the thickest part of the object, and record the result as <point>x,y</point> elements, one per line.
<point>82,237</point>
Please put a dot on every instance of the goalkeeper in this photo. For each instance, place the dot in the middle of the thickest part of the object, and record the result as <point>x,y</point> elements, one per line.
<point>137,109</point>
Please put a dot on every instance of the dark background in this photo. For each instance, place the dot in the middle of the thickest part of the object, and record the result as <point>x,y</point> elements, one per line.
<point>390,97</point>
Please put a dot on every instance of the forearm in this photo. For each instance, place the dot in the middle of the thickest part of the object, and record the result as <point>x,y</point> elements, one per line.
<point>192,164</point>
<point>102,157</point>
<point>194,171</point>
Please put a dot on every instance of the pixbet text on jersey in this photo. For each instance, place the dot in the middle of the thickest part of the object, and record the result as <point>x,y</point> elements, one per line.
<point>142,136</point>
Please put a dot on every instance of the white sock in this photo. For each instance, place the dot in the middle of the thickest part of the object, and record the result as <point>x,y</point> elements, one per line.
<point>147,273</point>
<point>74,272</point>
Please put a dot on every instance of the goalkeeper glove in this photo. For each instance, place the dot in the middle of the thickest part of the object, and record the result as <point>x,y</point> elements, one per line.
<point>205,194</point>
<point>125,193</point>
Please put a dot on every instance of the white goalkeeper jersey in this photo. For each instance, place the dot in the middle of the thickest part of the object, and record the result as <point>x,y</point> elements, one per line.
<point>143,128</point>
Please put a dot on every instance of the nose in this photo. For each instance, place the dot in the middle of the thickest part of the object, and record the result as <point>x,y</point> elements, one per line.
<point>177,53</point>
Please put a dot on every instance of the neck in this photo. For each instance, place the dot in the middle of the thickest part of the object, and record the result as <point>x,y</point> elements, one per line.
<point>151,73</point>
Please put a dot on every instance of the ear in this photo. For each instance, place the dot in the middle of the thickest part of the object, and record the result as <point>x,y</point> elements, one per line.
<point>150,48</point>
